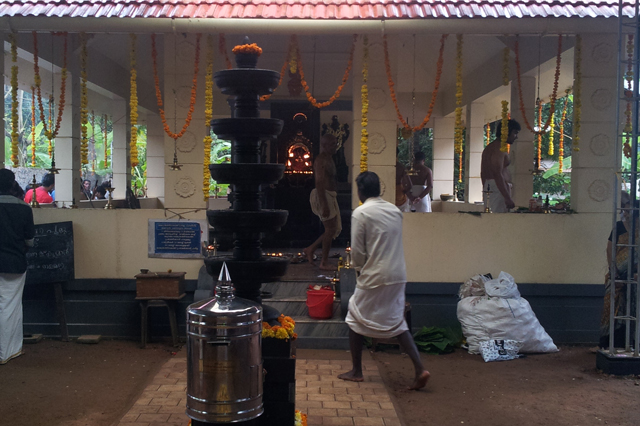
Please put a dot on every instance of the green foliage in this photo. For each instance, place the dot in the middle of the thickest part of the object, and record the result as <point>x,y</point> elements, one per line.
<point>139,172</point>
<point>220,153</point>
<point>422,141</point>
<point>436,340</point>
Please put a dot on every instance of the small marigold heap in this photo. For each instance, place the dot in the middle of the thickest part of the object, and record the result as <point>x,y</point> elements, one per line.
<point>283,331</point>
<point>247,49</point>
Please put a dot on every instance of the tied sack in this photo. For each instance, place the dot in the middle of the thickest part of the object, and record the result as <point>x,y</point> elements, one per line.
<point>501,314</point>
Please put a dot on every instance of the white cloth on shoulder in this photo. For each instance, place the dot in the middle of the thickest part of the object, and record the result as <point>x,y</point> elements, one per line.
<point>334,210</point>
<point>424,205</point>
<point>406,206</point>
<point>11,332</point>
<point>378,312</point>
<point>495,200</point>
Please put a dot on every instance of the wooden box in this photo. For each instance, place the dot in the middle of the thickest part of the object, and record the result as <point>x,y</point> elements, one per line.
<point>160,285</point>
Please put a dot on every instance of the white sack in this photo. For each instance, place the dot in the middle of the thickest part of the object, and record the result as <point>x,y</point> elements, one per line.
<point>503,286</point>
<point>473,287</point>
<point>489,318</point>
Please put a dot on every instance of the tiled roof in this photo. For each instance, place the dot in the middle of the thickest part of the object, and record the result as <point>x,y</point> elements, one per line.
<point>313,9</point>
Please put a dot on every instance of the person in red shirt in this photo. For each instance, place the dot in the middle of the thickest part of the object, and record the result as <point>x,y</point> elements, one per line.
<point>42,192</point>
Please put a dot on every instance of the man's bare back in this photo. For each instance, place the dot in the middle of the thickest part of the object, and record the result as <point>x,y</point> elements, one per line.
<point>494,165</point>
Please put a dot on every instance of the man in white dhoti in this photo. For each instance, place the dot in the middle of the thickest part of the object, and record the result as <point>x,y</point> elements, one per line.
<point>376,308</point>
<point>16,234</point>
<point>422,184</point>
<point>494,172</point>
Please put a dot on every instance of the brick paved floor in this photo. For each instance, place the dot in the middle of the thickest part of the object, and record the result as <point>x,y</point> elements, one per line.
<point>326,399</point>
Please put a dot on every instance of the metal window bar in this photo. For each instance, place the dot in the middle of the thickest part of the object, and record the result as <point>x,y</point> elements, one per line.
<point>626,26</point>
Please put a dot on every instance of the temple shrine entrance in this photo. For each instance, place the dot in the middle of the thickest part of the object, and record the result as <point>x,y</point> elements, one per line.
<point>296,147</point>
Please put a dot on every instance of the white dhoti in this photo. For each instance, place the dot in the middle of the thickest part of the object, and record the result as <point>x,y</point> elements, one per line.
<point>334,210</point>
<point>11,335</point>
<point>495,200</point>
<point>424,205</point>
<point>378,312</point>
<point>405,207</point>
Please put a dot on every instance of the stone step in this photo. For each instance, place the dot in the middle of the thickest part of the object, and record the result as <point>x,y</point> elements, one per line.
<point>284,289</point>
<point>322,334</point>
<point>296,306</point>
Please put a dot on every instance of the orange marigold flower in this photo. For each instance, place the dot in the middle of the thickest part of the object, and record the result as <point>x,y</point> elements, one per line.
<point>250,49</point>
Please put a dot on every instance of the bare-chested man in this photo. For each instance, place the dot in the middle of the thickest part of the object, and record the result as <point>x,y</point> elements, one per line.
<point>324,202</point>
<point>421,185</point>
<point>403,186</point>
<point>496,179</point>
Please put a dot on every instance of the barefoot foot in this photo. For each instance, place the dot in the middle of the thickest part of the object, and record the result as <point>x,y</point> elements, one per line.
<point>420,381</point>
<point>309,254</point>
<point>351,376</point>
<point>327,267</point>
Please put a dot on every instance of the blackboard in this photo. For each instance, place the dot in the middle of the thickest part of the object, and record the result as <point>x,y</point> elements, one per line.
<point>51,257</point>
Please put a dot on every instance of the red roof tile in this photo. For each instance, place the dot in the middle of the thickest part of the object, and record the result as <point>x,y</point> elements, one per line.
<point>313,9</point>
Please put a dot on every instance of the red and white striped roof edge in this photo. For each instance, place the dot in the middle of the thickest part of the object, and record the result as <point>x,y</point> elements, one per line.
<point>314,9</point>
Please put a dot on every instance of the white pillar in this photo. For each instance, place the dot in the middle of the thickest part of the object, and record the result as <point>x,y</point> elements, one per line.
<point>593,167</point>
<point>382,119</point>
<point>120,147</point>
<point>475,146</point>
<point>443,156</point>
<point>155,157</point>
<point>521,154</point>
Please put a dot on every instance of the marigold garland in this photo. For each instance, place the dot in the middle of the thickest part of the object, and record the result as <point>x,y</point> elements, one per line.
<point>208,115</point>
<point>458,135</point>
<point>300,418</point>
<point>539,135</point>
<point>555,86</point>
<point>504,127</point>
<point>436,85</point>
<point>561,138</point>
<point>33,127</point>
<point>283,331</point>
<point>50,150</point>
<point>552,127</point>
<point>194,87</point>
<point>364,121</point>
<point>15,136</point>
<point>93,142</point>
<point>104,140</point>
<point>133,104</point>
<point>222,46</point>
<point>48,131</point>
<point>577,95</point>
<point>84,113</point>
<point>287,61</point>
<point>345,77</point>
<point>249,49</point>
<point>628,77</point>
<point>488,134</point>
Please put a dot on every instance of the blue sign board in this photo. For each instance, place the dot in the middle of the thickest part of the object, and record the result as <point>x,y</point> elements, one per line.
<point>176,238</point>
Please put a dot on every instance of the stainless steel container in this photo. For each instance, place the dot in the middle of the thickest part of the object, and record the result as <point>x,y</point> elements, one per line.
<point>224,358</point>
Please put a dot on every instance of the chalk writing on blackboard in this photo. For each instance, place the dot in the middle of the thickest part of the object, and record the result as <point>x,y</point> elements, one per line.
<point>51,257</point>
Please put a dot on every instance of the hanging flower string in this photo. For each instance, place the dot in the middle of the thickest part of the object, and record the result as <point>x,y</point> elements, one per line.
<point>555,86</point>
<point>208,115</point>
<point>50,132</point>
<point>84,113</point>
<point>364,121</point>
<point>287,61</point>
<point>50,124</point>
<point>561,137</point>
<point>628,93</point>
<point>577,95</point>
<point>133,104</point>
<point>93,142</point>
<point>552,127</point>
<point>435,86</point>
<point>458,138</point>
<point>15,136</point>
<point>345,77</point>
<point>488,134</point>
<point>104,141</point>
<point>222,46</point>
<point>539,135</point>
<point>504,133</point>
<point>194,87</point>
<point>33,127</point>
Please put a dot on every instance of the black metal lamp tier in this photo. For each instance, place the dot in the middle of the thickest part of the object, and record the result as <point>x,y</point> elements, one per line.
<point>246,219</point>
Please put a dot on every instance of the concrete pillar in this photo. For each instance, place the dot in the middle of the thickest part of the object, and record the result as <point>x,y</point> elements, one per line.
<point>120,147</point>
<point>155,157</point>
<point>521,154</point>
<point>475,145</point>
<point>593,167</point>
<point>67,143</point>
<point>183,188</point>
<point>382,118</point>
<point>443,156</point>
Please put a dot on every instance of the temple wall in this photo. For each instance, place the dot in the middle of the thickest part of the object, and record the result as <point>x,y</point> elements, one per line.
<point>445,247</point>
